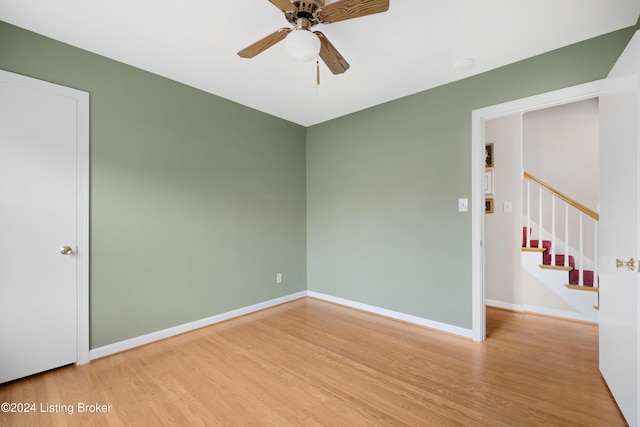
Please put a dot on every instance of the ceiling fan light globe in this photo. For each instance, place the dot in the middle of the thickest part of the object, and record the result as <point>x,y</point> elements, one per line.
<point>302,45</point>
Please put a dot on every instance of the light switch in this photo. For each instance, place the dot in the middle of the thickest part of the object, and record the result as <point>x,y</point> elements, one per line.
<point>507,207</point>
<point>463,205</point>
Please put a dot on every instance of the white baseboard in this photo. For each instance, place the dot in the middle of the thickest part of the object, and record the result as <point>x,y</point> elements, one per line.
<point>505,305</point>
<point>169,332</point>
<point>444,327</point>
<point>180,329</point>
<point>522,308</point>
<point>573,315</point>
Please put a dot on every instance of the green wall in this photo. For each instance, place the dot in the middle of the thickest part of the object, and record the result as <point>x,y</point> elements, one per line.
<point>196,202</point>
<point>383,184</point>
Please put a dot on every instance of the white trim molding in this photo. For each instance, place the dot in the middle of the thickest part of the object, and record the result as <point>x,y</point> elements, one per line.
<point>544,311</point>
<point>505,305</point>
<point>186,327</point>
<point>432,324</point>
<point>83,179</point>
<point>562,314</point>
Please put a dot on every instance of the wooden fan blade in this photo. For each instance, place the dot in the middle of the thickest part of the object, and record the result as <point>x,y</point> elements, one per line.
<point>330,55</point>
<point>283,5</point>
<point>264,44</point>
<point>349,9</point>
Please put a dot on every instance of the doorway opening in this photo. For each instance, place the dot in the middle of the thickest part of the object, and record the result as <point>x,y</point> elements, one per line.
<point>479,121</point>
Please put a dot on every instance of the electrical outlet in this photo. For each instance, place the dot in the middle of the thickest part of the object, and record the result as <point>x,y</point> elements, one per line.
<point>279,278</point>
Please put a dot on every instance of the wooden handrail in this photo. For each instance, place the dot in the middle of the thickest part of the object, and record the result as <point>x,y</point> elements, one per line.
<point>582,208</point>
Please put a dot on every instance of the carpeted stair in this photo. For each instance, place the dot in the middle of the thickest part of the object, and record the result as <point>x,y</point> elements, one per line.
<point>587,275</point>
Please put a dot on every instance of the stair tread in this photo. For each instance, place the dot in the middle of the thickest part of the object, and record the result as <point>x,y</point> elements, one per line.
<point>525,249</point>
<point>555,267</point>
<point>582,288</point>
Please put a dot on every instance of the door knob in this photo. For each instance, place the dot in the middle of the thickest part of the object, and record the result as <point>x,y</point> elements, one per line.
<point>620,263</point>
<point>65,250</point>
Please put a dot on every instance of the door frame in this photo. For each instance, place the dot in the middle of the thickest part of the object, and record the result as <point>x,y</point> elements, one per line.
<point>82,201</point>
<point>478,119</point>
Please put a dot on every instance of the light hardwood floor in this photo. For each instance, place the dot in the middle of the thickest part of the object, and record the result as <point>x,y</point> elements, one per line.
<point>313,363</point>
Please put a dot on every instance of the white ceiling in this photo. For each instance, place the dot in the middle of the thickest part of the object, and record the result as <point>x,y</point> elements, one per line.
<point>410,48</point>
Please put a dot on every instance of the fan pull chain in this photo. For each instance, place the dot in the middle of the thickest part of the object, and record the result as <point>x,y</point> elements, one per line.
<point>317,72</point>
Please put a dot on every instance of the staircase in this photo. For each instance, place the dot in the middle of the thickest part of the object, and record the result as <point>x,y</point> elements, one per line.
<point>559,263</point>
<point>560,266</point>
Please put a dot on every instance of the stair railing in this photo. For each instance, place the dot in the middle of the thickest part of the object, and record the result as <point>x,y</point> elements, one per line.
<point>583,212</point>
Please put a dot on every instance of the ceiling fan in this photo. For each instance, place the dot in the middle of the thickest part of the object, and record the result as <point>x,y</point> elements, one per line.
<point>304,44</point>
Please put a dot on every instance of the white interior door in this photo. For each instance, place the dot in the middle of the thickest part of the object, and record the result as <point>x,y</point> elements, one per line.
<point>38,216</point>
<point>620,232</point>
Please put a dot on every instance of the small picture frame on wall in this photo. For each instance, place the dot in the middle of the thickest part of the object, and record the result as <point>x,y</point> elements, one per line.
<point>489,187</point>
<point>488,205</point>
<point>488,155</point>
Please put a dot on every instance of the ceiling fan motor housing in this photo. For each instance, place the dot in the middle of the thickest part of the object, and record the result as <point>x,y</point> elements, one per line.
<point>308,10</point>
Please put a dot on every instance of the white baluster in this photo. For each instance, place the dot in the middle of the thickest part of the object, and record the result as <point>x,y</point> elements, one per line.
<point>566,234</point>
<point>539,217</point>
<point>580,261</point>
<point>528,213</point>
<point>553,230</point>
<point>596,282</point>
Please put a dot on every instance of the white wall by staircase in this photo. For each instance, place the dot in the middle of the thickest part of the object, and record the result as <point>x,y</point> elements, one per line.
<point>503,271</point>
<point>537,294</point>
<point>561,147</point>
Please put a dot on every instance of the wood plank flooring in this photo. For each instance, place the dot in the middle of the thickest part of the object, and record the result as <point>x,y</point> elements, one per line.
<point>313,363</point>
